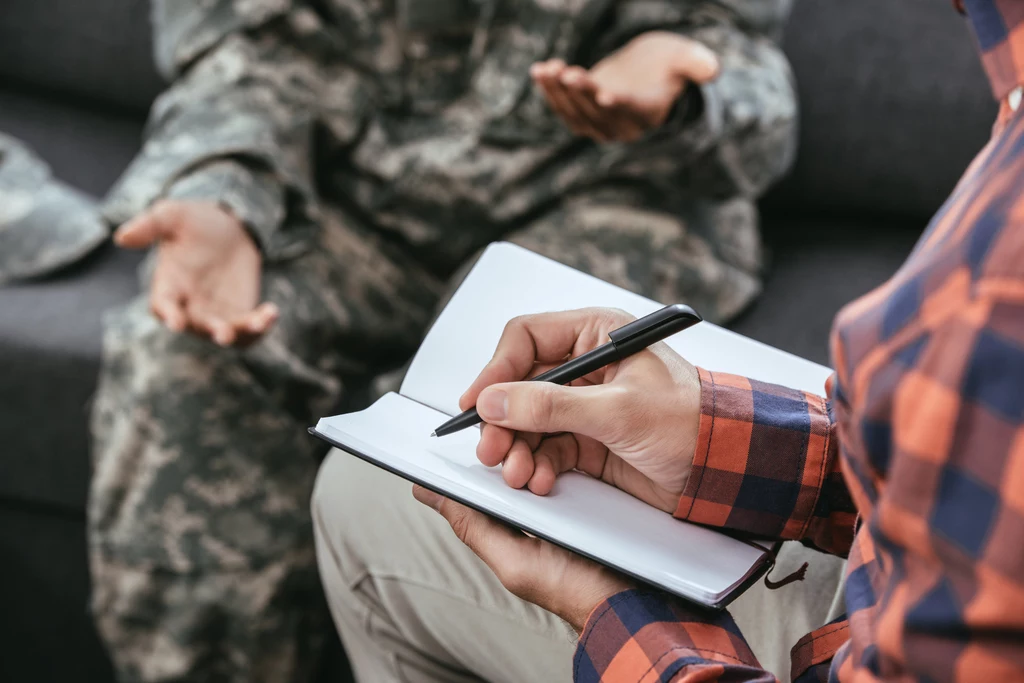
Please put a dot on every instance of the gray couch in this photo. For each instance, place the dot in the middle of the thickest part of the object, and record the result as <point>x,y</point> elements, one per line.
<point>886,130</point>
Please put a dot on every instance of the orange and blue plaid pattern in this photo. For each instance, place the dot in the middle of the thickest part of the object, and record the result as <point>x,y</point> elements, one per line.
<point>921,434</point>
<point>999,30</point>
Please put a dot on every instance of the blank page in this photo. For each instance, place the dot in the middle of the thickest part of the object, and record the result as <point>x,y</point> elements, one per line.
<point>509,281</point>
<point>581,513</point>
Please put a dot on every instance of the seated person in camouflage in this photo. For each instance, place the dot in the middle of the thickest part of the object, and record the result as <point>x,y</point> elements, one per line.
<point>311,181</point>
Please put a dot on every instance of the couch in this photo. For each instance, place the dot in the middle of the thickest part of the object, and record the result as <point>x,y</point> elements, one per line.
<point>887,127</point>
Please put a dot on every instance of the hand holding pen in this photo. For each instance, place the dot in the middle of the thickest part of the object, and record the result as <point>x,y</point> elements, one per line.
<point>632,423</point>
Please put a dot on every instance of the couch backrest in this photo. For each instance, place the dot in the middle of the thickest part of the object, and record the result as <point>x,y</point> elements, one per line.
<point>93,49</point>
<point>894,104</point>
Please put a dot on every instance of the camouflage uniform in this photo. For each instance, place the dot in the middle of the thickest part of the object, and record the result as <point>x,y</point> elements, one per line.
<point>44,224</point>
<point>372,148</point>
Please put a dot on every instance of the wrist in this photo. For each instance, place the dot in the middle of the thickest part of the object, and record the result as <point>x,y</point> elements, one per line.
<point>240,225</point>
<point>251,196</point>
<point>593,596</point>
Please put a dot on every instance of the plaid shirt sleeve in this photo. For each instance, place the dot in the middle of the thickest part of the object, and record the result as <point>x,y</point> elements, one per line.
<point>645,637</point>
<point>767,463</point>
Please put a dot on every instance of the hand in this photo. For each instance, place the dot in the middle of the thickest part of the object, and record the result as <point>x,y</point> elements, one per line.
<point>629,92</point>
<point>632,424</point>
<point>207,275</point>
<point>536,571</point>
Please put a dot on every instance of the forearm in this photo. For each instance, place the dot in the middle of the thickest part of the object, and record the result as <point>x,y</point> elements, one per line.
<point>736,134</point>
<point>239,118</point>
<point>745,135</point>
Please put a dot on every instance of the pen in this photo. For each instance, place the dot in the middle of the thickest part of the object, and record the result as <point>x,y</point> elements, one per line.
<point>624,342</point>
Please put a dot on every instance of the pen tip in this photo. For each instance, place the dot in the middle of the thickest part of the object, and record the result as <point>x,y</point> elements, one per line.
<point>433,433</point>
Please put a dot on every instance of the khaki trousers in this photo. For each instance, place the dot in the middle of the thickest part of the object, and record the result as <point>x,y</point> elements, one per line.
<point>413,604</point>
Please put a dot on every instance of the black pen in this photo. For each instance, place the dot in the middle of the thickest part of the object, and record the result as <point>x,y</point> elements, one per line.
<point>625,341</point>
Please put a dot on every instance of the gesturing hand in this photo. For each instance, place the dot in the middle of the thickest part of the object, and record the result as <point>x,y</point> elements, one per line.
<point>629,92</point>
<point>207,275</point>
<point>632,424</point>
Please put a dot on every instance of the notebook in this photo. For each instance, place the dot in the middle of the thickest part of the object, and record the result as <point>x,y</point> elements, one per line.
<point>582,514</point>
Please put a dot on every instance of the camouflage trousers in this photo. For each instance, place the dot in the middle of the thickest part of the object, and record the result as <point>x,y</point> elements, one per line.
<point>200,538</point>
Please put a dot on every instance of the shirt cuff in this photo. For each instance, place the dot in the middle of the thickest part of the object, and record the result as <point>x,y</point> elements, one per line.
<point>639,632</point>
<point>761,457</point>
<point>255,197</point>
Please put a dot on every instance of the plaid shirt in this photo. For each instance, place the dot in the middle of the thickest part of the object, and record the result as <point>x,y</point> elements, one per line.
<point>913,466</point>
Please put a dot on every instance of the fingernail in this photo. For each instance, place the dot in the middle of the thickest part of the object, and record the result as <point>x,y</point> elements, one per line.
<point>492,404</point>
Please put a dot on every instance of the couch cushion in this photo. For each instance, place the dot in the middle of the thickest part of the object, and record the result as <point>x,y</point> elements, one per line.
<point>88,147</point>
<point>894,104</point>
<point>50,335</point>
<point>817,268</point>
<point>97,50</point>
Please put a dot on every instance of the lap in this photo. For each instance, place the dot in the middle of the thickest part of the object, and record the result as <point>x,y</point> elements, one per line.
<point>379,533</point>
<point>400,561</point>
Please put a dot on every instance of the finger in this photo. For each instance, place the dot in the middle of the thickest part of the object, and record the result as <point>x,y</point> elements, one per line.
<point>545,338</point>
<point>518,467</point>
<point>550,82</point>
<point>169,306</point>
<point>511,555</point>
<point>581,90</point>
<point>532,439</point>
<point>494,445</point>
<point>541,74</point>
<point>427,497</point>
<point>694,62</point>
<point>147,228</point>
<point>548,408</point>
<point>205,323</point>
<point>552,457</point>
<point>254,324</point>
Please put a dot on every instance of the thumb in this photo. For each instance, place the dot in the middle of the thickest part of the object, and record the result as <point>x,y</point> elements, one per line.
<point>695,62</point>
<point>146,228</point>
<point>547,408</point>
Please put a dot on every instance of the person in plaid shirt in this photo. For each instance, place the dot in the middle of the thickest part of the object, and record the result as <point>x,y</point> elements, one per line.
<point>912,465</point>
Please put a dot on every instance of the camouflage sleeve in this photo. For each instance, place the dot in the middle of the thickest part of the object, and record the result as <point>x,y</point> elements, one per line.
<point>250,81</point>
<point>254,195</point>
<point>745,135</point>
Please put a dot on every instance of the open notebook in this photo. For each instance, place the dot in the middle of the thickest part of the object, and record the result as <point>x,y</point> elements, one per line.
<point>582,514</point>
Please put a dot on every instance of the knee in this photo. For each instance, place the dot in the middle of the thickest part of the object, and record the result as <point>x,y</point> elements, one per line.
<point>356,507</point>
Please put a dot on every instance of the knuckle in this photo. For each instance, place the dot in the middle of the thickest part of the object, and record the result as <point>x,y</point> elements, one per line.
<point>517,323</point>
<point>164,208</point>
<point>617,316</point>
<point>628,414</point>
<point>167,212</point>
<point>542,406</point>
<point>460,523</point>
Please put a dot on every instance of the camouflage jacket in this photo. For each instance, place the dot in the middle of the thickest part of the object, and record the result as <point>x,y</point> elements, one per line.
<point>420,114</point>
